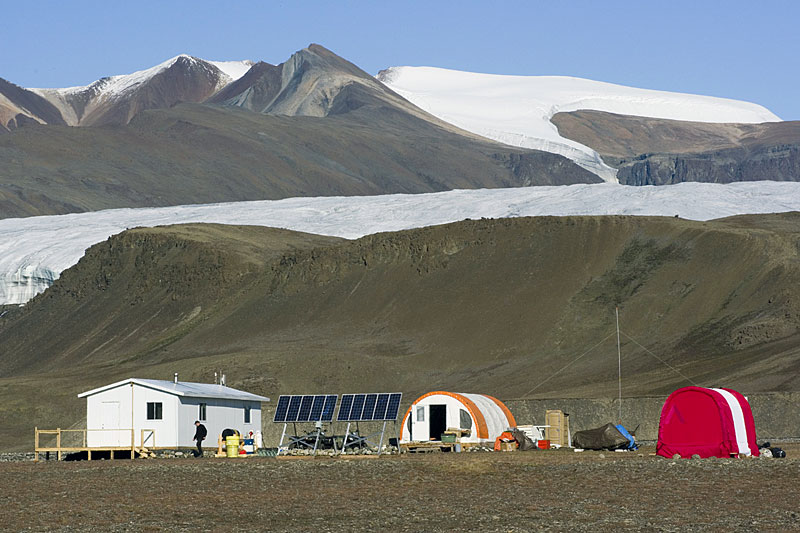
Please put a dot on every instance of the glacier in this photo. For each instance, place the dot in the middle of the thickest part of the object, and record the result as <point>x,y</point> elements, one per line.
<point>34,251</point>
<point>516,110</point>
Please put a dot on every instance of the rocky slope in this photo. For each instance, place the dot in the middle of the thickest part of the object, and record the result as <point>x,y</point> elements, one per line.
<point>19,106</point>
<point>203,154</point>
<point>497,306</point>
<point>649,151</point>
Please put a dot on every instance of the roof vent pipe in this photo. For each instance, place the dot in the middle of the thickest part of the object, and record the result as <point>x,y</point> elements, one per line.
<point>176,377</point>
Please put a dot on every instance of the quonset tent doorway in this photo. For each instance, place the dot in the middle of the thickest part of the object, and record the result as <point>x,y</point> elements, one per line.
<point>438,421</point>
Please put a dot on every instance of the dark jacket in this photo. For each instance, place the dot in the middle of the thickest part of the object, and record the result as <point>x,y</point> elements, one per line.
<point>201,432</point>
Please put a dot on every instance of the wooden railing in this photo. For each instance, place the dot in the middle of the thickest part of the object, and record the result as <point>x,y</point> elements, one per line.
<point>76,440</point>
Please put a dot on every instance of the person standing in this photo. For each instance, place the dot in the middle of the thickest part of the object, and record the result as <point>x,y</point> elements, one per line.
<point>199,436</point>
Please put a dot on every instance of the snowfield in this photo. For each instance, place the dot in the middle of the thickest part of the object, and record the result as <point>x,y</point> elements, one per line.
<point>516,110</point>
<point>34,251</point>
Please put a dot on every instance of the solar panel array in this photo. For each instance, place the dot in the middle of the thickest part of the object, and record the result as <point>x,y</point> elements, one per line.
<point>360,407</point>
<point>305,408</point>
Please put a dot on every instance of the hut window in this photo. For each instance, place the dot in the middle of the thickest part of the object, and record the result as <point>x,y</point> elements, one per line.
<point>465,419</point>
<point>154,410</point>
<point>421,413</point>
<point>201,415</point>
<point>246,415</point>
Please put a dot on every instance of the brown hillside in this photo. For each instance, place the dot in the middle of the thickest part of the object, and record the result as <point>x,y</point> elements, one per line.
<point>194,153</point>
<point>504,307</point>
<point>650,151</point>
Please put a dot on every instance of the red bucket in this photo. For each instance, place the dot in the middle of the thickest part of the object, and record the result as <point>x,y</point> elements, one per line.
<point>543,444</point>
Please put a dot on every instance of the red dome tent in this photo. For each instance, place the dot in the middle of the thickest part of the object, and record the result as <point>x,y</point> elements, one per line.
<point>706,422</point>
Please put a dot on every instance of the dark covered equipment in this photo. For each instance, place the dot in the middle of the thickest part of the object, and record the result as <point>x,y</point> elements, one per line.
<point>608,437</point>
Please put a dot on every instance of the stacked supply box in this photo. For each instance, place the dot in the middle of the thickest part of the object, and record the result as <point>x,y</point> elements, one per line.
<point>557,431</point>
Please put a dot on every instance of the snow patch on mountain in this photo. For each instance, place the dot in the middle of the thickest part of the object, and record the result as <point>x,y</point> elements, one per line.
<point>516,110</point>
<point>233,69</point>
<point>34,251</point>
<point>117,86</point>
<point>112,86</point>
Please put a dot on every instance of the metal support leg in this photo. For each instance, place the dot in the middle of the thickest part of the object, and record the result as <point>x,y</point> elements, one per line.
<point>280,444</point>
<point>316,441</point>
<point>346,434</point>
<point>380,445</point>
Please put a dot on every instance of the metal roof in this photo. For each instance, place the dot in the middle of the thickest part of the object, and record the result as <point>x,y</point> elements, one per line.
<point>185,389</point>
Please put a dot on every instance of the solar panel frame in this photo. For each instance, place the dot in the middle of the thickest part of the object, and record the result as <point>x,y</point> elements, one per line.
<point>281,408</point>
<point>358,406</point>
<point>380,407</point>
<point>369,406</point>
<point>305,408</point>
<point>329,407</point>
<point>316,407</point>
<point>366,407</point>
<point>344,407</point>
<point>294,408</point>
<point>393,406</point>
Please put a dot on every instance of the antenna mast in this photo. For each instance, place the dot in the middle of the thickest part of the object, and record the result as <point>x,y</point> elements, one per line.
<point>619,367</point>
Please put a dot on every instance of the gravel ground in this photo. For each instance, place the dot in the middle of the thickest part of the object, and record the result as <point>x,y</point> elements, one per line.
<point>510,492</point>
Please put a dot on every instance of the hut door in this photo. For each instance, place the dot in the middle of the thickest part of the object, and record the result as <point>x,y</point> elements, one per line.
<point>438,421</point>
<point>110,421</point>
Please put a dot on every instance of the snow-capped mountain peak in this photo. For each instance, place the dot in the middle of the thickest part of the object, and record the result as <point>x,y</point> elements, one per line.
<point>115,86</point>
<point>113,99</point>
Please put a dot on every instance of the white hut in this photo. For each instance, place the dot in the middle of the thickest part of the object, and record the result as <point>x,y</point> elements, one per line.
<point>484,417</point>
<point>161,414</point>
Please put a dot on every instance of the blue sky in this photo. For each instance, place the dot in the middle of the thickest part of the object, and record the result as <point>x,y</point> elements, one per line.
<point>734,49</point>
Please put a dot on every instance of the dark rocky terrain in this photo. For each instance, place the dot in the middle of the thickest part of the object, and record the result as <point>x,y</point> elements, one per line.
<point>649,151</point>
<point>494,306</point>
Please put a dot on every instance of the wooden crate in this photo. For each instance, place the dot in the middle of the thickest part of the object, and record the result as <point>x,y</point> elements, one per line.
<point>558,431</point>
<point>508,446</point>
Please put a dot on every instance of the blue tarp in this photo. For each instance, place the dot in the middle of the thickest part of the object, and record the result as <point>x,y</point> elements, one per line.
<point>631,440</point>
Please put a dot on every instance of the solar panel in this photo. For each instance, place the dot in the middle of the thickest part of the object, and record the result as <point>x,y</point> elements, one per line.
<point>353,407</point>
<point>363,407</point>
<point>305,408</point>
<point>380,407</point>
<point>358,407</point>
<point>294,408</point>
<point>328,407</point>
<point>393,406</point>
<point>280,410</point>
<point>369,406</point>
<point>316,408</point>
<point>345,406</point>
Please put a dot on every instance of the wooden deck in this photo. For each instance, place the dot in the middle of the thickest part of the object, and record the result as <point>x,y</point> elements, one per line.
<point>64,441</point>
<point>433,446</point>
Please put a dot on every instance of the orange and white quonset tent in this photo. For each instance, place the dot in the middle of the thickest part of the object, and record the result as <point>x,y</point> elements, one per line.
<point>431,414</point>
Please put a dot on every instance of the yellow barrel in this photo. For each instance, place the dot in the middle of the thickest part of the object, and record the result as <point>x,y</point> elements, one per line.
<point>232,445</point>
